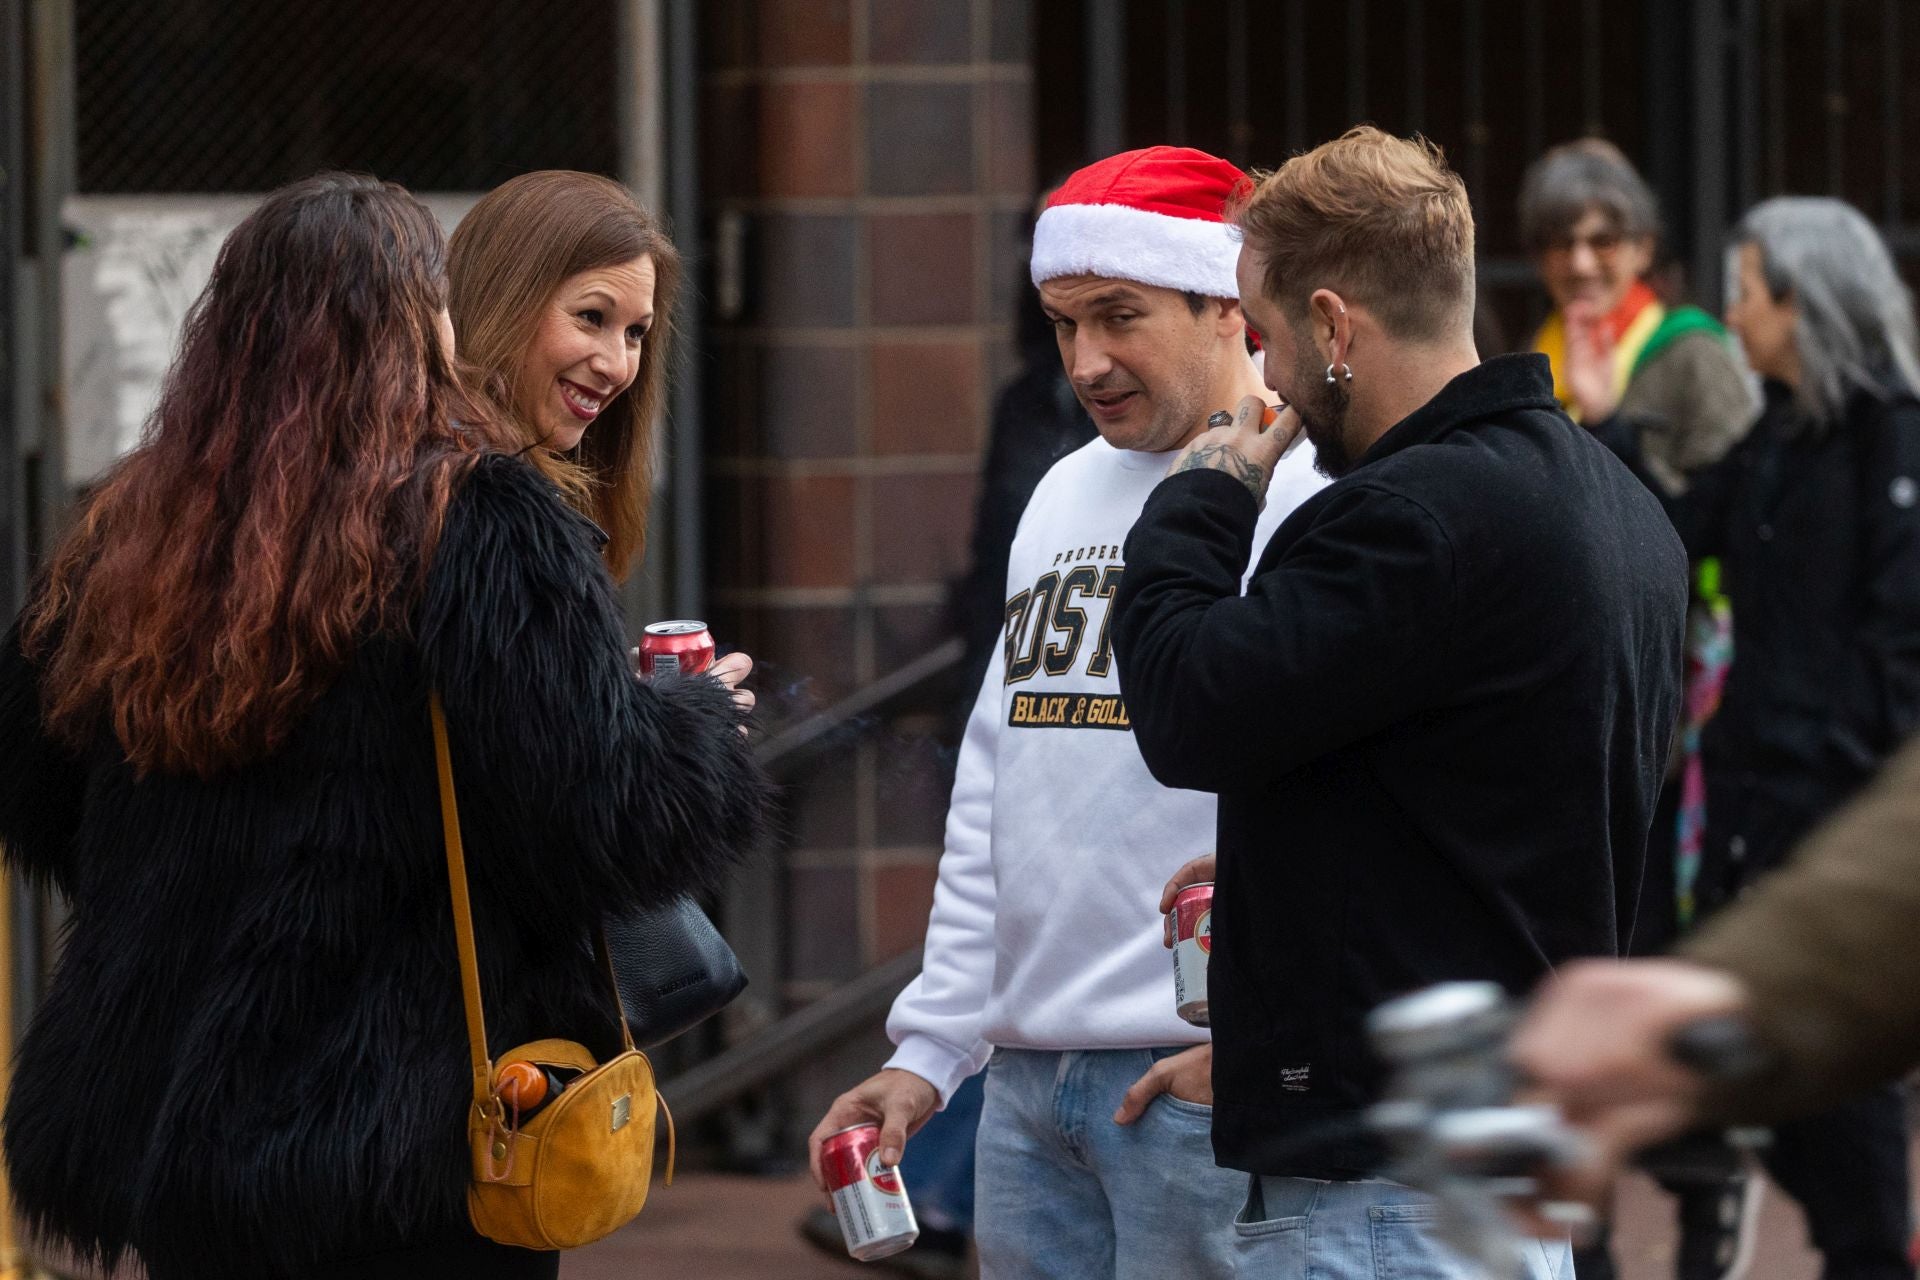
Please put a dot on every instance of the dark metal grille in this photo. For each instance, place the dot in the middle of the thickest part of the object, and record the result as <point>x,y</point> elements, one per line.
<point>1722,102</point>
<point>1832,87</point>
<point>1493,81</point>
<point>242,95</point>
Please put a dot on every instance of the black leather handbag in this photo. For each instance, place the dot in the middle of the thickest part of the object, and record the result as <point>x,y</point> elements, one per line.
<point>673,968</point>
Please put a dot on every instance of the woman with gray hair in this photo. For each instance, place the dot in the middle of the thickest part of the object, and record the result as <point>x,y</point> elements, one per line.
<point>1815,517</point>
<point>1819,263</point>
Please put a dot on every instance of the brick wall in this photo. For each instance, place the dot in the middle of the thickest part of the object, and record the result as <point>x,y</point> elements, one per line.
<point>867,167</point>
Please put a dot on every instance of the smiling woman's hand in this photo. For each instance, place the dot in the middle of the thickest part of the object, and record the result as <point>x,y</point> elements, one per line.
<point>731,671</point>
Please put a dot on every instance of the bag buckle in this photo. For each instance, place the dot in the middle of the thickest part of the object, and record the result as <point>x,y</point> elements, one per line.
<point>500,1134</point>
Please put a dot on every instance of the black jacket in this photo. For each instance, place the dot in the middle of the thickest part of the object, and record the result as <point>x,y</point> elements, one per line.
<point>1818,535</point>
<point>252,1057</point>
<point>1437,723</point>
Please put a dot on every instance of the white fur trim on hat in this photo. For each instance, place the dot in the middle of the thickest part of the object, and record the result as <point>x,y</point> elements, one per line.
<point>1123,243</point>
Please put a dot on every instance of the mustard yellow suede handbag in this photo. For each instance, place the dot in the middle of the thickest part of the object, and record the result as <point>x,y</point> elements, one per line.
<point>578,1168</point>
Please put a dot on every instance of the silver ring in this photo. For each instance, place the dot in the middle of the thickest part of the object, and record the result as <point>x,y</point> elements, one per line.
<point>1221,418</point>
<point>1345,372</point>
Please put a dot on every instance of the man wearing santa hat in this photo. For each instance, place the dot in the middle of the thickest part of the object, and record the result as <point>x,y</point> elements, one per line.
<point>1044,961</point>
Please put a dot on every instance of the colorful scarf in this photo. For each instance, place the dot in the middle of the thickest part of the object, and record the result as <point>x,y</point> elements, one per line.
<point>1631,325</point>
<point>1709,656</point>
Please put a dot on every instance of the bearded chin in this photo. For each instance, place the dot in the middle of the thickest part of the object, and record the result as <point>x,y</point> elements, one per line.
<point>1329,457</point>
<point>1324,422</point>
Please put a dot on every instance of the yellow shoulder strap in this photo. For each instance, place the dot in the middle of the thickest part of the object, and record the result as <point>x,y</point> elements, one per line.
<point>462,911</point>
<point>463,922</point>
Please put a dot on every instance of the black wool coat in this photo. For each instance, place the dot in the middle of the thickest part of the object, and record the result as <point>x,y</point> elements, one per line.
<point>252,1058</point>
<point>1818,537</point>
<point>1437,723</point>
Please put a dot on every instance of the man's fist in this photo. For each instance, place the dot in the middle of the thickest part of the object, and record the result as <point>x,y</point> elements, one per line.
<point>1196,871</point>
<point>898,1101</point>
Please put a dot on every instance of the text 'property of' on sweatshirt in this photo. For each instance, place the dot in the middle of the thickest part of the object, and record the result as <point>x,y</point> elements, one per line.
<point>1046,930</point>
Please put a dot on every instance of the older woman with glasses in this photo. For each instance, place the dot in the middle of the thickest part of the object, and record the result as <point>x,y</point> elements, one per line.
<point>1592,226</point>
<point>1669,377</point>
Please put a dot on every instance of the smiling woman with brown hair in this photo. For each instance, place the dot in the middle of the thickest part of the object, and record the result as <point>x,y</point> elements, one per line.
<point>214,741</point>
<point>562,294</point>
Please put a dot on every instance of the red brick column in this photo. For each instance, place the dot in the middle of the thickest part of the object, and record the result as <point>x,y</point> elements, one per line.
<point>867,165</point>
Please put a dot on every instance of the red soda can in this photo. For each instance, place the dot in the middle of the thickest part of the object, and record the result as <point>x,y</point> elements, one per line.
<point>684,647</point>
<point>868,1197</point>
<point>1192,945</point>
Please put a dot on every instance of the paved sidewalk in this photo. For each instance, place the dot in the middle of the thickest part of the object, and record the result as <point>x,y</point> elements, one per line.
<point>1644,1244</point>
<point>724,1227</point>
<point>730,1227</point>
<point>716,1227</point>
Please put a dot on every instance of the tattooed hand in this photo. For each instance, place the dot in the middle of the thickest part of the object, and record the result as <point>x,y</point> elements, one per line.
<point>1246,449</point>
<point>1221,456</point>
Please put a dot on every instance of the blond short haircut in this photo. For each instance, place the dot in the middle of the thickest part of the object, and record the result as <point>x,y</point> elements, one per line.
<point>1380,220</point>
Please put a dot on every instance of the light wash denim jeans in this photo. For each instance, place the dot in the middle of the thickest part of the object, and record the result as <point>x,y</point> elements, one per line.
<point>1292,1228</point>
<point>1064,1193</point>
<point>938,1163</point>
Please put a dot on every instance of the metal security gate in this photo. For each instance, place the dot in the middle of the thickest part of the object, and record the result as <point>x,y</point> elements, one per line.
<point>1827,104</point>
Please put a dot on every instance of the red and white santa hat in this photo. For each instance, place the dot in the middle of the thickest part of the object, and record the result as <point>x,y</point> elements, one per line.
<point>1154,216</point>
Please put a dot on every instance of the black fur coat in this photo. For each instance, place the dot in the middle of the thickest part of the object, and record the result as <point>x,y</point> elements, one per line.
<point>252,1058</point>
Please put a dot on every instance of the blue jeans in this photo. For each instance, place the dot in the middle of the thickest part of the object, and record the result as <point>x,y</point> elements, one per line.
<point>1372,1230</point>
<point>938,1163</point>
<point>1062,1191</point>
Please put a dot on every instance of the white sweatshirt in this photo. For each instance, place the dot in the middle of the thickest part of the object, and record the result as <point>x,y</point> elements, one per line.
<point>1045,931</point>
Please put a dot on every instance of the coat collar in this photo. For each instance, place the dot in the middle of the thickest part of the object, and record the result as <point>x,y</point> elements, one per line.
<point>1497,386</point>
<point>600,536</point>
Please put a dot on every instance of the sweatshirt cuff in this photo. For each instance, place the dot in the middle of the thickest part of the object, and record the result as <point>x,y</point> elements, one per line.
<point>937,1062</point>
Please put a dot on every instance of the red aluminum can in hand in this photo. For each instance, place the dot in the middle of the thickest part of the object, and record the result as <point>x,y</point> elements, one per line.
<point>684,647</point>
<point>868,1197</point>
<point>1192,946</point>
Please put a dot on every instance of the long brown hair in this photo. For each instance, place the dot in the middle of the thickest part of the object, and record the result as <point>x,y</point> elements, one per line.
<point>286,494</point>
<point>510,254</point>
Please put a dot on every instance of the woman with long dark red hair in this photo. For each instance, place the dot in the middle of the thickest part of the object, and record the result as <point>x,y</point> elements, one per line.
<point>214,740</point>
